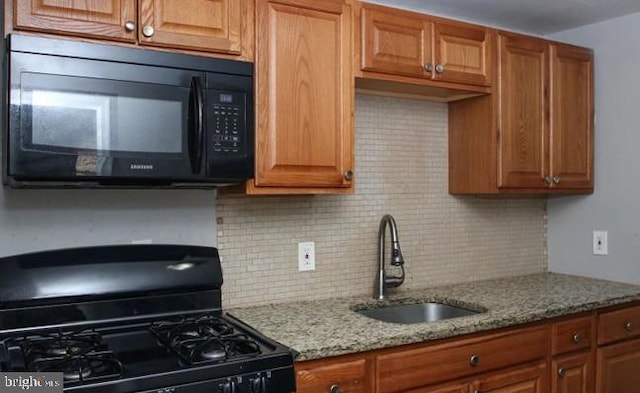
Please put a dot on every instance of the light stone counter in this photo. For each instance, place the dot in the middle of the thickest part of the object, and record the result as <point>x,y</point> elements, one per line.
<point>323,328</point>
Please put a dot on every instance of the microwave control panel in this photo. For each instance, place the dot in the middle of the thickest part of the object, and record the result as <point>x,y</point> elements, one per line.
<point>227,123</point>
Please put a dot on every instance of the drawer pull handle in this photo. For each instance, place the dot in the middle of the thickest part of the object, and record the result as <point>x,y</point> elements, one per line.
<point>334,389</point>
<point>474,360</point>
<point>562,372</point>
<point>628,326</point>
<point>577,339</point>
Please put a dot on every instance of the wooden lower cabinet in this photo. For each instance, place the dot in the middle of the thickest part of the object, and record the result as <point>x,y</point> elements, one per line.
<point>460,387</point>
<point>345,375</point>
<point>618,368</point>
<point>530,379</point>
<point>573,374</point>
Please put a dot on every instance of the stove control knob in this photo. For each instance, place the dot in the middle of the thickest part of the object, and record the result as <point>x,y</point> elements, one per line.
<point>259,385</point>
<point>228,387</point>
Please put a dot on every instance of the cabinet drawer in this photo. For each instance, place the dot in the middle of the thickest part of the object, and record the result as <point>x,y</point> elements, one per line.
<point>618,325</point>
<point>412,368</point>
<point>572,335</point>
<point>351,375</point>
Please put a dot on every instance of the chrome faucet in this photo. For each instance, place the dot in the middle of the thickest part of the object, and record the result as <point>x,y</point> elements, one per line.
<point>383,282</point>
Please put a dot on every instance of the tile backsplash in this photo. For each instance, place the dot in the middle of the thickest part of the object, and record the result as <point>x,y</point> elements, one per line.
<point>401,169</point>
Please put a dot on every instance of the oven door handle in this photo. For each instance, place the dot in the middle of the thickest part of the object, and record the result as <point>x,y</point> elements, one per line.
<point>196,124</point>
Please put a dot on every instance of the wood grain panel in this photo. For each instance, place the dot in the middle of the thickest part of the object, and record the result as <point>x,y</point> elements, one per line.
<point>524,132</point>
<point>456,387</point>
<point>618,368</point>
<point>572,116</point>
<point>394,42</point>
<point>573,374</point>
<point>86,18</point>
<point>305,95</point>
<point>619,325</point>
<point>350,374</point>
<point>211,25</point>
<point>464,51</point>
<point>572,335</point>
<point>531,379</point>
<point>402,370</point>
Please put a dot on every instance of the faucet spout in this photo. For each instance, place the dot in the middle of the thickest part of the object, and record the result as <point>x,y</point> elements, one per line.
<point>383,280</point>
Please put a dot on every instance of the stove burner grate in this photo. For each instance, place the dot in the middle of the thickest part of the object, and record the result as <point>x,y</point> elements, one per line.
<point>80,356</point>
<point>205,339</point>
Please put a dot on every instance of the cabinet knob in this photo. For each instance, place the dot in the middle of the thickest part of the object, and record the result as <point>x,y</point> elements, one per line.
<point>428,67</point>
<point>348,174</point>
<point>439,68</point>
<point>334,389</point>
<point>474,360</point>
<point>477,391</point>
<point>628,326</point>
<point>577,339</point>
<point>556,179</point>
<point>547,179</point>
<point>562,372</point>
<point>129,26</point>
<point>148,31</point>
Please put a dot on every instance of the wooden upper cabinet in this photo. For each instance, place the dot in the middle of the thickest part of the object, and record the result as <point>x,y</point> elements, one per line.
<point>304,97</point>
<point>99,19</point>
<point>572,117</point>
<point>407,44</point>
<point>523,129</point>
<point>395,43</point>
<point>462,53</point>
<point>211,25</point>
<point>535,134</point>
<point>221,26</point>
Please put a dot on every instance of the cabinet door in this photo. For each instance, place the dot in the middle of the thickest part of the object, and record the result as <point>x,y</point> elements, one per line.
<point>99,19</point>
<point>211,25</point>
<point>395,43</point>
<point>618,368</point>
<point>350,376</point>
<point>573,374</point>
<point>305,93</point>
<point>460,387</point>
<point>462,53</point>
<point>572,117</point>
<point>523,129</point>
<point>523,380</point>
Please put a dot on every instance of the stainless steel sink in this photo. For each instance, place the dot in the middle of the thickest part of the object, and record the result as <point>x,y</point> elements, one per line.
<point>417,313</point>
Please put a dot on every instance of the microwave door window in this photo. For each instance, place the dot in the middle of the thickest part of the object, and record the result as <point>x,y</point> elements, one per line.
<point>103,117</point>
<point>71,120</point>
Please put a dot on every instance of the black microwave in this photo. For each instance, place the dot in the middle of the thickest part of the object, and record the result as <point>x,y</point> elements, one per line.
<point>91,115</point>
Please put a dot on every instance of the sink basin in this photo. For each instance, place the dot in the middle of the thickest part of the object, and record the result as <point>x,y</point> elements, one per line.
<point>417,313</point>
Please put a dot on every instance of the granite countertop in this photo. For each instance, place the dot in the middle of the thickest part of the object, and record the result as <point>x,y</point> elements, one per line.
<point>330,327</point>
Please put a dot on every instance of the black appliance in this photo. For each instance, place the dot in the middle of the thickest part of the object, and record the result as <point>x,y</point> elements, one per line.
<point>91,115</point>
<point>133,318</point>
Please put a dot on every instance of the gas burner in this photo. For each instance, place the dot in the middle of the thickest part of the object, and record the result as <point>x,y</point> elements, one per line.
<point>205,339</point>
<point>80,356</point>
<point>175,332</point>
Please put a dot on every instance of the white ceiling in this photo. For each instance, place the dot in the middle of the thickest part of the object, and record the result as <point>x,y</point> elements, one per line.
<point>532,16</point>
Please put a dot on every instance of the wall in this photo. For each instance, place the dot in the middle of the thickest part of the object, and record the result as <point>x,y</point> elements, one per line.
<point>33,220</point>
<point>615,205</point>
<point>401,159</point>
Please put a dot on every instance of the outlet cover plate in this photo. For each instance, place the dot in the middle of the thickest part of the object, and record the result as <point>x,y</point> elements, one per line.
<point>306,256</point>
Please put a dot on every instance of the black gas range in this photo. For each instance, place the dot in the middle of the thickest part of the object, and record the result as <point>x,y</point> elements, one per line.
<point>134,318</point>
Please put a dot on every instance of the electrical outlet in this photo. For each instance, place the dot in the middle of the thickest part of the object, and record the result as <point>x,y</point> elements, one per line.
<point>306,256</point>
<point>600,246</point>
